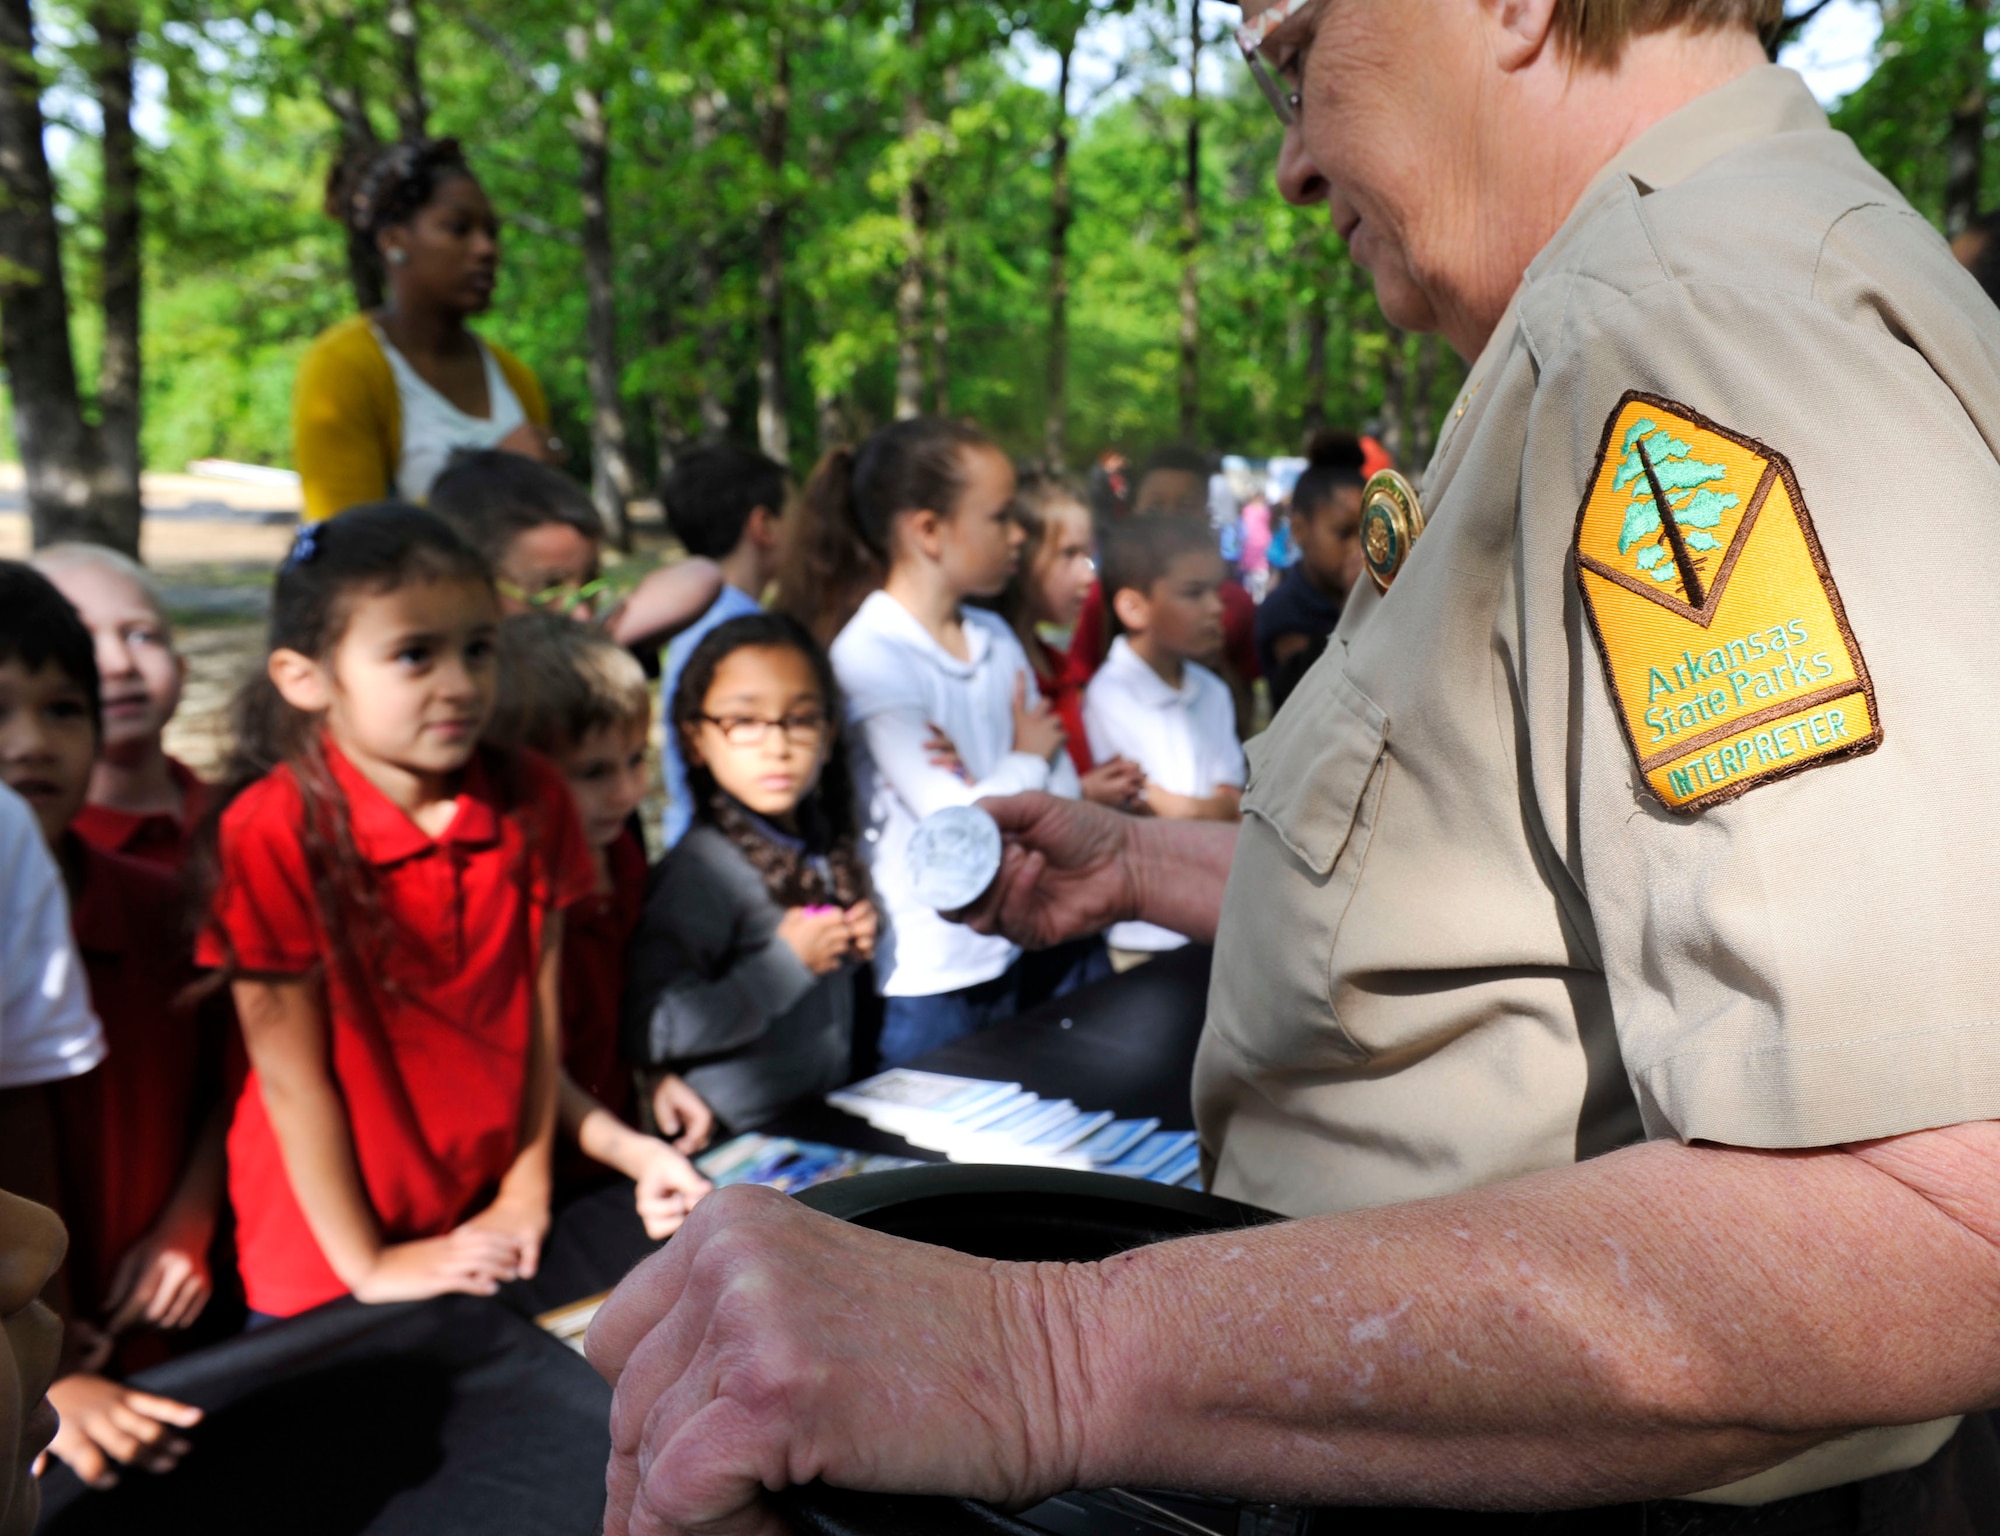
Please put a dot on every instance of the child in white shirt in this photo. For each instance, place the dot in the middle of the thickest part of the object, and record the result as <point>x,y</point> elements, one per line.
<point>1152,702</point>
<point>941,703</point>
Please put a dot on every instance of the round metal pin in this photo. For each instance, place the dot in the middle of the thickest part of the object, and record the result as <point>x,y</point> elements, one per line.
<point>954,855</point>
<point>1392,520</point>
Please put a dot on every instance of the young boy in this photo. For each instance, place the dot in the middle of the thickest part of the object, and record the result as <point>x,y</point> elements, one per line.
<point>1293,623</point>
<point>727,504</point>
<point>1152,702</point>
<point>140,1138</point>
<point>580,700</point>
<point>142,803</point>
<point>545,541</point>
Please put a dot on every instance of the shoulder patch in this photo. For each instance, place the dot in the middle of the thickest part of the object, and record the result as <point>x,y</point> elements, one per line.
<point>1722,636</point>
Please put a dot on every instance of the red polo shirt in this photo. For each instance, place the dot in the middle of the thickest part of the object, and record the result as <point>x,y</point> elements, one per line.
<point>128,1127</point>
<point>1091,642</point>
<point>430,1001</point>
<point>156,837</point>
<point>597,932</point>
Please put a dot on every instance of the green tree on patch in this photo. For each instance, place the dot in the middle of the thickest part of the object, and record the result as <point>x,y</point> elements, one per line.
<point>1684,480</point>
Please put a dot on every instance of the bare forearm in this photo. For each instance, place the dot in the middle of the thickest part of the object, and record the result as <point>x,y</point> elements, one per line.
<point>318,1152</point>
<point>666,602</point>
<point>1656,1322</point>
<point>531,1173</point>
<point>198,1196</point>
<point>1178,872</point>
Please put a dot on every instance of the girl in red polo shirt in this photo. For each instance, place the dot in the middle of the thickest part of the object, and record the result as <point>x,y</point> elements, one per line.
<point>388,907</point>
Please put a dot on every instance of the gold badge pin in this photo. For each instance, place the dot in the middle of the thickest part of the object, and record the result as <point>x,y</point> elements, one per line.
<point>1392,520</point>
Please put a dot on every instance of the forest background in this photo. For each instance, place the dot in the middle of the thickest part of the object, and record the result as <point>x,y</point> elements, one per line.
<point>780,221</point>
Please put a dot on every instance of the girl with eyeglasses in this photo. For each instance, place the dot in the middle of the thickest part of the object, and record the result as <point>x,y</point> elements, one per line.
<point>742,968</point>
<point>942,703</point>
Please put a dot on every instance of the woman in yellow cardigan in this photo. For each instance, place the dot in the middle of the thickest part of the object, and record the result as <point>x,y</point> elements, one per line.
<point>384,399</point>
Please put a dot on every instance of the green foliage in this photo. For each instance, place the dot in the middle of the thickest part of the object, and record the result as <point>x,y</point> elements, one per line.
<point>244,269</point>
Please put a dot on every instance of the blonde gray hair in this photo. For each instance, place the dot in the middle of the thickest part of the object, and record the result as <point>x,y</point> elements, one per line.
<point>57,557</point>
<point>1596,31</point>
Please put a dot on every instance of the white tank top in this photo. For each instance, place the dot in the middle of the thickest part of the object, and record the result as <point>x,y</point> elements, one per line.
<point>434,428</point>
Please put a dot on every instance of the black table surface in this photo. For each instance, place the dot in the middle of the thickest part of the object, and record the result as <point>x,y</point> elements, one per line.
<point>1125,1044</point>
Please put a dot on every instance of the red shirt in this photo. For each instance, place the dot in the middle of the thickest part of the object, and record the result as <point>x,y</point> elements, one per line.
<point>430,1004</point>
<point>156,837</point>
<point>128,1127</point>
<point>1062,681</point>
<point>597,931</point>
<point>1092,641</point>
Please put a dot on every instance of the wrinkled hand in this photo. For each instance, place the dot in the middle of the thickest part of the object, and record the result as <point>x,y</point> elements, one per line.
<point>162,1280</point>
<point>106,1426</point>
<point>1064,872</point>
<point>1116,783</point>
<point>767,1345</point>
<point>683,1116</point>
<point>667,1187</point>
<point>470,1259</point>
<point>818,936</point>
<point>1038,729</point>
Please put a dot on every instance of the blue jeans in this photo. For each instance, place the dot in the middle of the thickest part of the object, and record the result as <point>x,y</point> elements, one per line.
<point>913,1026</point>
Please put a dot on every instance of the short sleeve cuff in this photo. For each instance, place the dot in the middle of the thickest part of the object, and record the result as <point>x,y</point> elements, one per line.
<point>1828,1094</point>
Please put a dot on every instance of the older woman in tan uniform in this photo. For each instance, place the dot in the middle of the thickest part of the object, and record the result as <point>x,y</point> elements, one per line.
<point>1606,971</point>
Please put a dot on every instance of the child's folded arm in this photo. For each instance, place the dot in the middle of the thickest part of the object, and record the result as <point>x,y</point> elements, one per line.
<point>899,744</point>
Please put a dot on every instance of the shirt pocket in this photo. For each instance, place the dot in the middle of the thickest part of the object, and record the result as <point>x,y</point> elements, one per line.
<point>1314,789</point>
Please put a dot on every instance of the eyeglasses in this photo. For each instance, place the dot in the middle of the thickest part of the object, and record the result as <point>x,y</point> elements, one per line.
<point>1250,38</point>
<point>567,598</point>
<point>807,728</point>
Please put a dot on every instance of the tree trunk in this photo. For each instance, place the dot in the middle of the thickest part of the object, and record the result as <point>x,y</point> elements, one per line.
<point>1965,140</point>
<point>1055,430</point>
<point>412,110</point>
<point>713,411</point>
<point>57,454</point>
<point>914,207</point>
<point>774,434</point>
<point>358,148</point>
<point>611,478</point>
<point>1190,338</point>
<point>1312,410</point>
<point>118,370</point>
<point>941,333</point>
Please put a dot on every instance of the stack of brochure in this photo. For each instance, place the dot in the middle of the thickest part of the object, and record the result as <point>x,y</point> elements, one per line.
<point>788,1165</point>
<point>971,1120</point>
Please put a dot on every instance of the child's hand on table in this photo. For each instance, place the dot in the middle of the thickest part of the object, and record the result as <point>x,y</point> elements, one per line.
<point>683,1116</point>
<point>106,1426</point>
<point>818,936</point>
<point>668,1186</point>
<point>471,1259</point>
<point>520,1219</point>
<point>163,1279</point>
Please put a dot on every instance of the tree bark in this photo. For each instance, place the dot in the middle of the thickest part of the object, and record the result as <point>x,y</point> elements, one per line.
<point>57,454</point>
<point>914,207</point>
<point>118,369</point>
<point>412,109</point>
<point>1965,139</point>
<point>774,434</point>
<point>612,482</point>
<point>1055,429</point>
<point>712,409</point>
<point>1190,336</point>
<point>357,150</point>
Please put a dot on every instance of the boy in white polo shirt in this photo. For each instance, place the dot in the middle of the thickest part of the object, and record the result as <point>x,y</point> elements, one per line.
<point>1151,702</point>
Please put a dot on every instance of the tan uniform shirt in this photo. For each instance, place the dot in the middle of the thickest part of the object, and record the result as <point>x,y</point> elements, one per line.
<point>1464,939</point>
